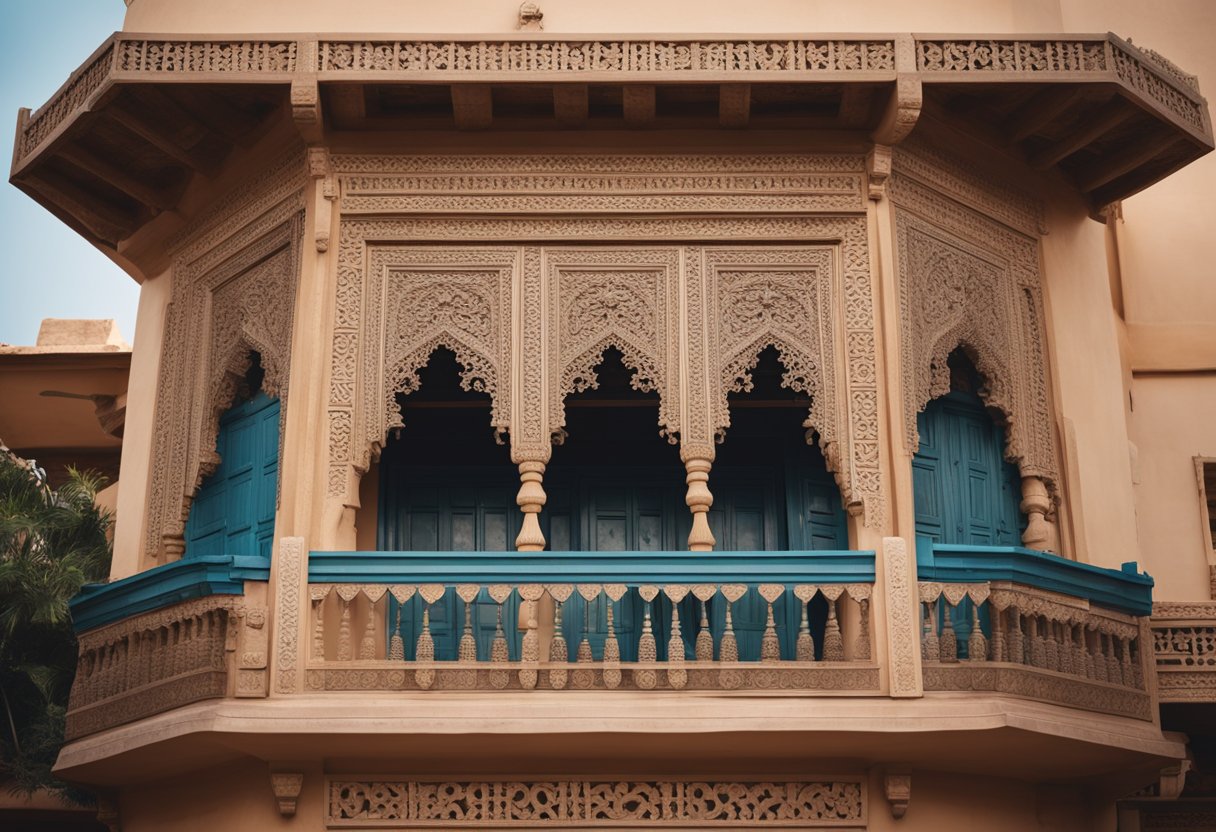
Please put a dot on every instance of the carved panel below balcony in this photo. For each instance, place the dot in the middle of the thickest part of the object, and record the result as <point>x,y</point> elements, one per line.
<point>1184,644</point>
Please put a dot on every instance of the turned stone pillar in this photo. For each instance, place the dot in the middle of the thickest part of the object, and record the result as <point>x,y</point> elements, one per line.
<point>699,499</point>
<point>1036,504</point>
<point>531,499</point>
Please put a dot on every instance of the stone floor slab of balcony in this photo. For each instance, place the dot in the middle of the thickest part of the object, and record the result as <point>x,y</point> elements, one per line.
<point>676,732</point>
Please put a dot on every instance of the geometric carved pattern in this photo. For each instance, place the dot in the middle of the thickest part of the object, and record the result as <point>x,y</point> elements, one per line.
<point>976,285</point>
<point>234,288</point>
<point>1184,647</point>
<point>836,803</point>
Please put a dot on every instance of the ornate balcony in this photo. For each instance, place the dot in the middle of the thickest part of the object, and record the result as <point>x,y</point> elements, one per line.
<point>642,621</point>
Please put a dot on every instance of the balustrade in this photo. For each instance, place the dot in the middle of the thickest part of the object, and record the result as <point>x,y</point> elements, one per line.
<point>1008,638</point>
<point>1184,648</point>
<point>605,635</point>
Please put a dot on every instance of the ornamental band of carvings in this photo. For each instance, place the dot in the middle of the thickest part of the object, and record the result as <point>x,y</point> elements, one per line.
<point>1184,648</point>
<point>617,56</point>
<point>233,293</point>
<point>129,58</point>
<point>377,183</point>
<point>969,281</point>
<point>837,803</point>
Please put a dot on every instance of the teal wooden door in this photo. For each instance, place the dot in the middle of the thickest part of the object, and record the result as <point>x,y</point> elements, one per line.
<point>430,509</point>
<point>233,511</point>
<point>964,490</point>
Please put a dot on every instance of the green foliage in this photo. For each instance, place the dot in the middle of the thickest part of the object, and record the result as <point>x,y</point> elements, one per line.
<point>52,542</point>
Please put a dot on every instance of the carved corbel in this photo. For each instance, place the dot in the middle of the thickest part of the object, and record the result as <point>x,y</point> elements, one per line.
<point>878,168</point>
<point>904,105</point>
<point>897,787</point>
<point>286,788</point>
<point>1173,780</point>
<point>306,108</point>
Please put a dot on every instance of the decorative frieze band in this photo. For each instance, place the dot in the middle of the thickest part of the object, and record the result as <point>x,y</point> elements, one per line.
<point>640,57</point>
<point>837,803</point>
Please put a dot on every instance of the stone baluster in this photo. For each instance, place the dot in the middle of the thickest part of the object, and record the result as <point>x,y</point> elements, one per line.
<point>531,499</point>
<point>704,647</point>
<point>862,648</point>
<point>949,640</point>
<point>1038,644</point>
<point>1133,648</point>
<point>1067,651</point>
<point>930,646</point>
<point>677,674</point>
<point>346,594</point>
<point>977,644</point>
<point>997,642</point>
<point>529,652</point>
<point>467,651</point>
<point>1079,651</point>
<point>1099,655</point>
<point>728,650</point>
<point>1114,670</point>
<point>317,595</point>
<point>559,652</point>
<point>396,645</point>
<point>770,644</point>
<point>424,652</point>
<point>584,676</point>
<point>1087,656</point>
<point>367,647</point>
<point>648,650</point>
<point>499,654</point>
<point>1016,640</point>
<point>804,650</point>
<point>699,499</point>
<point>833,640</point>
<point>1051,647</point>
<point>612,647</point>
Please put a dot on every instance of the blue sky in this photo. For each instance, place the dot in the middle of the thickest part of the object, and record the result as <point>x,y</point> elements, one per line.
<point>48,271</point>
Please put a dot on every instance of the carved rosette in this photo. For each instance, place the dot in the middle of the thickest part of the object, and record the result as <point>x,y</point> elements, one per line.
<point>233,293</point>
<point>969,281</point>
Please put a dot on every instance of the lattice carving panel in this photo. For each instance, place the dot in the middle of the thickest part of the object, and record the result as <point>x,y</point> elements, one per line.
<point>556,804</point>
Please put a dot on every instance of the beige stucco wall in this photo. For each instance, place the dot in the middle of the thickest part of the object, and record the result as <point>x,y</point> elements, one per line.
<point>1172,420</point>
<point>580,16</point>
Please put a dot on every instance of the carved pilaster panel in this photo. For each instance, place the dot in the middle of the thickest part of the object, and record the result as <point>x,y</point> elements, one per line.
<point>234,288</point>
<point>968,280</point>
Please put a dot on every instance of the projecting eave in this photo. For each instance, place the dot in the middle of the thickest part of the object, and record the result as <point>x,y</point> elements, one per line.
<point>145,115</point>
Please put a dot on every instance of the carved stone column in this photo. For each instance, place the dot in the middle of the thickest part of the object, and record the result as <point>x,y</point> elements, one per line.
<point>1036,503</point>
<point>531,499</point>
<point>697,462</point>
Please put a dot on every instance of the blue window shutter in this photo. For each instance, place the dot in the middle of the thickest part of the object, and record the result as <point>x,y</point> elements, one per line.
<point>233,511</point>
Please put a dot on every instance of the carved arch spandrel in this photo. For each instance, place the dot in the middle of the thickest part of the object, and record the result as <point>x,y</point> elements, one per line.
<point>968,281</point>
<point>233,298</point>
<point>614,297</point>
<point>421,298</point>
<point>789,298</point>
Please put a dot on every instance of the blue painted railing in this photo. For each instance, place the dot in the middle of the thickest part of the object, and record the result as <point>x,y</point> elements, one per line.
<point>630,568</point>
<point>1126,590</point>
<point>162,586</point>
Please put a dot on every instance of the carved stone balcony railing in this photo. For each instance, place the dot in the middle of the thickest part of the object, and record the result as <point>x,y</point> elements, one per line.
<point>1049,641</point>
<point>358,640</point>
<point>200,649</point>
<point>1184,647</point>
